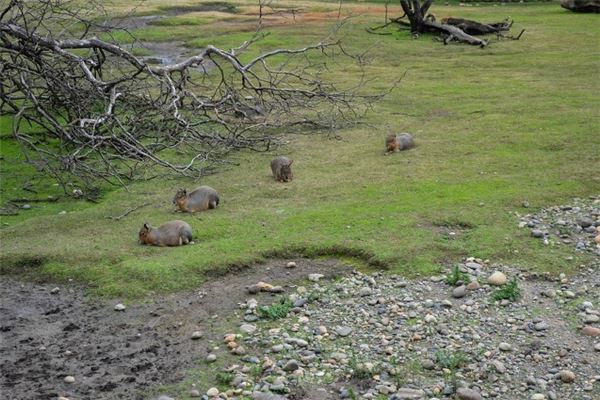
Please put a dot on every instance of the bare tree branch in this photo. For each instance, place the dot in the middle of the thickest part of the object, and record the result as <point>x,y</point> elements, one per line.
<point>86,109</point>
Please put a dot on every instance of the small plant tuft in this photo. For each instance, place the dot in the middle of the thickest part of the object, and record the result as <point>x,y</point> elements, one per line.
<point>451,360</point>
<point>276,310</point>
<point>457,275</point>
<point>510,291</point>
<point>224,378</point>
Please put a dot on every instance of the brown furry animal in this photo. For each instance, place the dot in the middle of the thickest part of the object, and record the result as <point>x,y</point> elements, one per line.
<point>201,199</point>
<point>402,141</point>
<point>282,169</point>
<point>172,233</point>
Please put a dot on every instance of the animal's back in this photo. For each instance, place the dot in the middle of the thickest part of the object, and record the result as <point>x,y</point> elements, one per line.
<point>175,233</point>
<point>405,141</point>
<point>277,163</point>
<point>203,198</point>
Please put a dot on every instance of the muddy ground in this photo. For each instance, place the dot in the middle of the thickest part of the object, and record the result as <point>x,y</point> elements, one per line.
<point>111,354</point>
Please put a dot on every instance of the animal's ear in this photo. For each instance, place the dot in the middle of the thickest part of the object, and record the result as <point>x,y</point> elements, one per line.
<point>291,161</point>
<point>146,225</point>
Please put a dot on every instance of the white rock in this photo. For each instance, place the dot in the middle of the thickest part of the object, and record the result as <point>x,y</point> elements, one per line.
<point>430,319</point>
<point>69,379</point>
<point>497,279</point>
<point>291,264</point>
<point>120,307</point>
<point>315,277</point>
<point>197,335</point>
<point>248,328</point>
<point>212,392</point>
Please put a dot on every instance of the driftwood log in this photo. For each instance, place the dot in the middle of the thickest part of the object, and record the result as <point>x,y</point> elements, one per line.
<point>590,6</point>
<point>451,29</point>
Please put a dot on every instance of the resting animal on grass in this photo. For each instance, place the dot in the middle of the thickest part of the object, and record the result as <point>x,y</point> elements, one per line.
<point>203,198</point>
<point>399,142</point>
<point>172,233</point>
<point>282,169</point>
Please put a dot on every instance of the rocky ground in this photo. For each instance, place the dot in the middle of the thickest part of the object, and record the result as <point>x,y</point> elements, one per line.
<point>574,224</point>
<point>318,330</point>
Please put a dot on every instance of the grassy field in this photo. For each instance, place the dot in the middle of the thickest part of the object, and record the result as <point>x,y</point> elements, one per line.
<point>518,120</point>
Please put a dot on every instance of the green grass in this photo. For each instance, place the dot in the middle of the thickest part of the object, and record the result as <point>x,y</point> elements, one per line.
<point>457,275</point>
<point>510,291</point>
<point>276,310</point>
<point>515,121</point>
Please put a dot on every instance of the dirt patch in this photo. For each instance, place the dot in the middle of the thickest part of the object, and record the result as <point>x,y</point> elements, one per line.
<point>215,6</point>
<point>46,337</point>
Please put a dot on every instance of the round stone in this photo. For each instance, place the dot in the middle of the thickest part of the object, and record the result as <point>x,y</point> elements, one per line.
<point>212,392</point>
<point>590,331</point>
<point>211,358</point>
<point>248,328</point>
<point>55,290</point>
<point>120,307</point>
<point>195,393</point>
<point>468,394</point>
<point>459,292</point>
<point>291,264</point>
<point>497,279</point>
<point>505,346</point>
<point>538,396</point>
<point>291,365</point>
<point>69,379</point>
<point>197,335</point>
<point>567,376</point>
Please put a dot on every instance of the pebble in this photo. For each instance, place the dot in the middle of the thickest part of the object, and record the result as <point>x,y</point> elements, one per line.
<point>505,346</point>
<point>536,233</point>
<point>597,347</point>
<point>197,335</point>
<point>248,328</point>
<point>538,396</point>
<point>430,319</point>
<point>459,292</point>
<point>69,379</point>
<point>291,264</point>
<point>211,358</point>
<point>195,393</point>
<point>541,326</point>
<point>566,376</point>
<point>497,279</point>
<point>315,277</point>
<point>120,307</point>
<point>212,392</point>
<point>473,285</point>
<point>468,394</point>
<point>590,331</point>
<point>291,365</point>
<point>343,331</point>
<point>55,290</point>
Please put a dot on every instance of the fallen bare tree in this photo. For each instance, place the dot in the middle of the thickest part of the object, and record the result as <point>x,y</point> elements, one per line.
<point>583,6</point>
<point>451,29</point>
<point>86,108</point>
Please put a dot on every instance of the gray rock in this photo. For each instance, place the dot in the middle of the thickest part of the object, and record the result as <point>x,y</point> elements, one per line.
<point>505,346</point>
<point>266,396</point>
<point>468,394</point>
<point>291,365</point>
<point>536,233</point>
<point>409,394</point>
<point>248,328</point>
<point>343,331</point>
<point>194,393</point>
<point>197,335</point>
<point>585,222</point>
<point>541,326</point>
<point>55,290</point>
<point>459,292</point>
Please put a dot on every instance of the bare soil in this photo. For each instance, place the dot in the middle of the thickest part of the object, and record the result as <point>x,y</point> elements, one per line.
<point>111,354</point>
